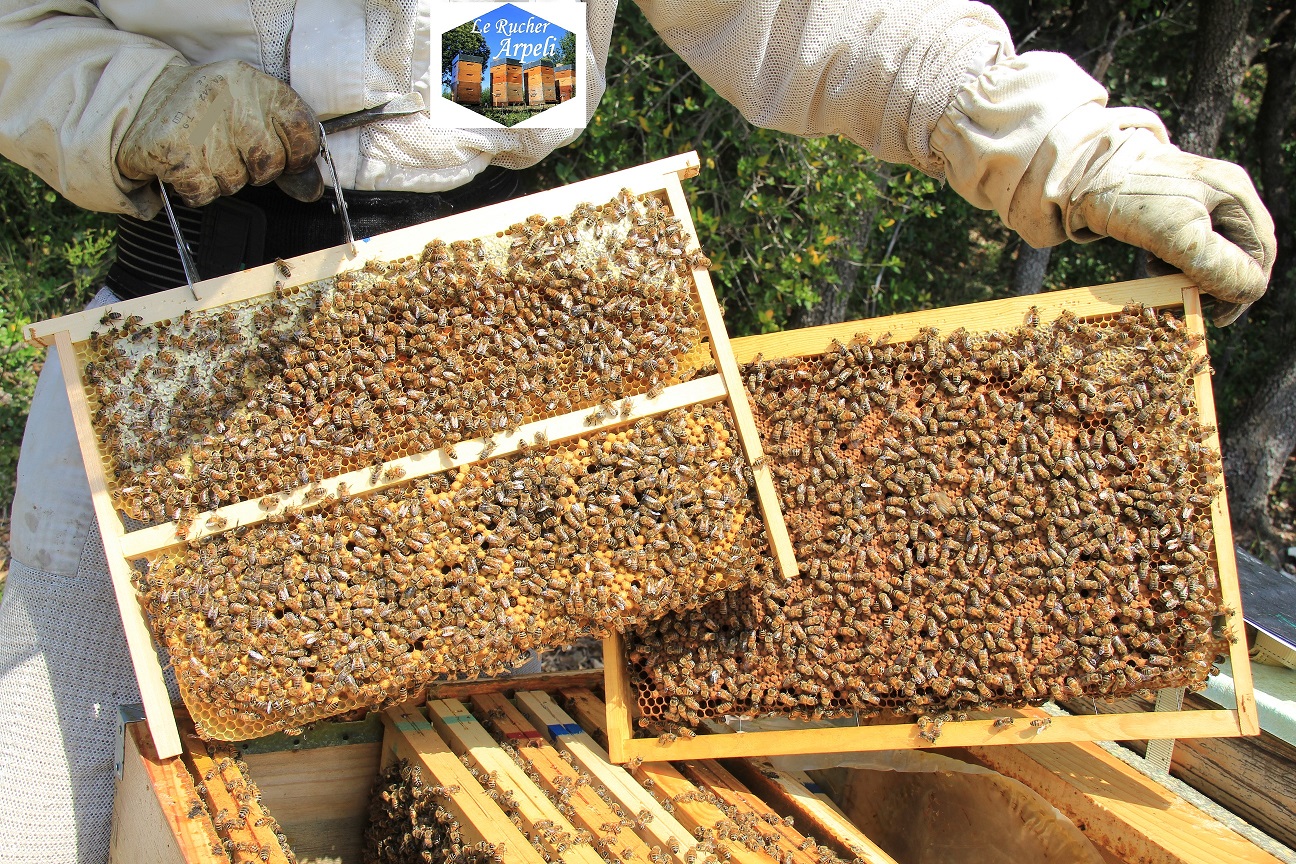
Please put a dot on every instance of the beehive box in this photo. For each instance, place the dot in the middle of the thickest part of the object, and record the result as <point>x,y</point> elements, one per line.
<point>305,451</point>
<point>466,77</point>
<point>539,76</point>
<point>991,506</point>
<point>565,80</point>
<point>522,763</point>
<point>506,83</point>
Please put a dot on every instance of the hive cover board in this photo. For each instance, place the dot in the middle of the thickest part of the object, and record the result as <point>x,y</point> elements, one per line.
<point>509,65</point>
<point>483,436</point>
<point>991,506</point>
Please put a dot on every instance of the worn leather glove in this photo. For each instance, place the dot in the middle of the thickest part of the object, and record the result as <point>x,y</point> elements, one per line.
<point>1030,136</point>
<point>209,130</point>
<point>1198,215</point>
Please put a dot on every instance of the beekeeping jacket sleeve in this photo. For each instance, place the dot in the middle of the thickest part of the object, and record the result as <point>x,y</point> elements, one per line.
<point>937,84</point>
<point>881,73</point>
<point>69,86</point>
<point>878,72</point>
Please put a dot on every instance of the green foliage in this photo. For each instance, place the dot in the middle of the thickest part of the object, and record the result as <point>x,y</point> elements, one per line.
<point>53,256</point>
<point>785,220</point>
<point>461,38</point>
<point>567,49</point>
<point>507,116</point>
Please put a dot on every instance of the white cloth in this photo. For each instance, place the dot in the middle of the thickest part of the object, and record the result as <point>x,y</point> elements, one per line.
<point>64,666</point>
<point>878,72</point>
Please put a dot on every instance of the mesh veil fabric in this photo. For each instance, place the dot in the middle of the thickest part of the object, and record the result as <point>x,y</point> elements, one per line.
<point>64,669</point>
<point>64,665</point>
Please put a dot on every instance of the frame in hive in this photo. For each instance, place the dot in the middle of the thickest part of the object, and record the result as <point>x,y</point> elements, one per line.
<point>639,693</point>
<point>282,302</point>
<point>528,751</point>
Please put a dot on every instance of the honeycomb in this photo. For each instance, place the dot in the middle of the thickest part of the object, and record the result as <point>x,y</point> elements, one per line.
<point>408,826</point>
<point>310,614</point>
<point>989,519</point>
<point>466,340</point>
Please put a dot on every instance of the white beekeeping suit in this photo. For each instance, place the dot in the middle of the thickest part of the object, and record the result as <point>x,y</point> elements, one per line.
<point>932,83</point>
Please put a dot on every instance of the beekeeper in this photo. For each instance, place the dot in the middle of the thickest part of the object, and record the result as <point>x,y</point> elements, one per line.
<point>218,96</point>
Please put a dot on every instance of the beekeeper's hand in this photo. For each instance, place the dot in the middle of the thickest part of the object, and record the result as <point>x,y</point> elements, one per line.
<point>1032,138</point>
<point>208,130</point>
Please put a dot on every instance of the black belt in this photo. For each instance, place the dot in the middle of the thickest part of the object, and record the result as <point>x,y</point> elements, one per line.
<point>261,223</point>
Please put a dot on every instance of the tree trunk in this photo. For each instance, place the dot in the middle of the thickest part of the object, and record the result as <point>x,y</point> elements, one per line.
<point>1276,110</point>
<point>1262,438</point>
<point>1222,52</point>
<point>1257,448</point>
<point>834,300</point>
<point>1032,265</point>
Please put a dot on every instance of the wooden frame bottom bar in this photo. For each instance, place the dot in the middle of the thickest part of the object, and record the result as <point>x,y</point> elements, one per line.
<point>967,733</point>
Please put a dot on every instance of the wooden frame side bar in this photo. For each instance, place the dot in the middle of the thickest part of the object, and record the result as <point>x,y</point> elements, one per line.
<point>697,815</point>
<point>1225,558</point>
<point>663,829</point>
<point>151,818</point>
<point>327,263</point>
<point>139,641</point>
<point>411,737</point>
<point>619,719</point>
<point>231,814</point>
<point>775,528</point>
<point>1160,292</point>
<point>157,538</point>
<point>789,796</point>
<point>709,774</point>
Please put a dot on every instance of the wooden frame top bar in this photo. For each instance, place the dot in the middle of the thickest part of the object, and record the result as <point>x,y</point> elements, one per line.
<point>1160,292</point>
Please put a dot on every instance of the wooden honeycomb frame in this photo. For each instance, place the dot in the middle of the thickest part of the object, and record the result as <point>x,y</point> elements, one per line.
<point>123,546</point>
<point>1169,292</point>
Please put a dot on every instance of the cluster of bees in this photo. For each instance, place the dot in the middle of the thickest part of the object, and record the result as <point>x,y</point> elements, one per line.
<point>401,796</point>
<point>233,826</point>
<point>982,520</point>
<point>408,825</point>
<point>360,601</point>
<point>744,827</point>
<point>467,340</point>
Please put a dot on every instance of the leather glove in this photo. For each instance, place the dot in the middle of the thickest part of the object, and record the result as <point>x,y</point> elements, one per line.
<point>209,130</point>
<point>1030,136</point>
<point>1198,215</point>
